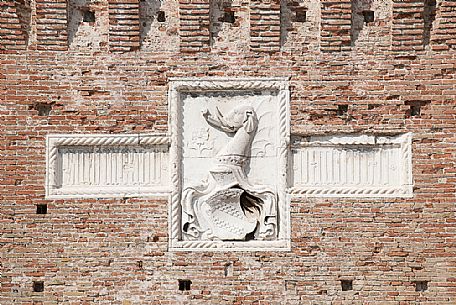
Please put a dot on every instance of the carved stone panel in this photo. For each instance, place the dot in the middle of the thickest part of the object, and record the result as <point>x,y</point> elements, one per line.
<point>106,165</point>
<point>229,147</point>
<point>352,166</point>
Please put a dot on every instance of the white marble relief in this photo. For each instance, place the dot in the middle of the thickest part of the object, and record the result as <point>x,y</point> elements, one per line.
<point>230,170</point>
<point>106,165</point>
<point>226,206</point>
<point>352,166</point>
<point>229,152</point>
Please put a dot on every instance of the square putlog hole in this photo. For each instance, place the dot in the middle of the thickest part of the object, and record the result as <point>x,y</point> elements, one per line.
<point>88,16</point>
<point>346,285</point>
<point>342,110</point>
<point>161,16</point>
<point>369,16</point>
<point>41,208</point>
<point>415,108</point>
<point>301,15</point>
<point>421,286</point>
<point>184,285</point>
<point>38,286</point>
<point>44,109</point>
<point>228,17</point>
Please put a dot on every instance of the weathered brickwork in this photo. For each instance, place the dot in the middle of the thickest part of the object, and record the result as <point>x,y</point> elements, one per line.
<point>335,25</point>
<point>14,34</point>
<point>445,30</point>
<point>408,25</point>
<point>194,25</point>
<point>123,25</point>
<point>265,25</point>
<point>51,25</point>
<point>390,80</point>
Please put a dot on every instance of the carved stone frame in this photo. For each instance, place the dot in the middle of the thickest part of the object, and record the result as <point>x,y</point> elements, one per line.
<point>404,189</point>
<point>54,142</point>
<point>180,85</point>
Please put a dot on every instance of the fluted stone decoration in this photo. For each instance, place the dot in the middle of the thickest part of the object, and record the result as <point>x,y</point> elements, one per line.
<point>352,165</point>
<point>106,165</point>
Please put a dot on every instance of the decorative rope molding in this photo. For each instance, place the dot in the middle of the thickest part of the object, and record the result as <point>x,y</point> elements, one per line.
<point>281,245</point>
<point>284,130</point>
<point>241,84</point>
<point>178,86</point>
<point>129,146</point>
<point>347,191</point>
<point>174,219</point>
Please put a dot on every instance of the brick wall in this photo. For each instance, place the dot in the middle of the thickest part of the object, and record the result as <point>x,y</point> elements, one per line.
<point>115,251</point>
<point>335,25</point>
<point>445,33</point>
<point>51,25</point>
<point>408,25</point>
<point>194,25</point>
<point>265,25</point>
<point>13,30</point>
<point>123,25</point>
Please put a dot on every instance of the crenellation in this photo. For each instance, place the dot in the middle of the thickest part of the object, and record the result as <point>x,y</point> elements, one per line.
<point>222,26</point>
<point>194,29</point>
<point>265,26</point>
<point>443,31</point>
<point>335,26</point>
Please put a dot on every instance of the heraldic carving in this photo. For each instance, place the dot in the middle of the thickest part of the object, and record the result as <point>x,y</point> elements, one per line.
<point>226,206</point>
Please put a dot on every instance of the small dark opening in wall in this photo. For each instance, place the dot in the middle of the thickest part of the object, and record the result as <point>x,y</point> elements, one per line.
<point>290,284</point>
<point>88,16</point>
<point>342,109</point>
<point>415,107</point>
<point>372,106</point>
<point>155,239</point>
<point>228,270</point>
<point>184,285</point>
<point>346,285</point>
<point>228,17</point>
<point>41,208</point>
<point>301,15</point>
<point>38,286</point>
<point>421,286</point>
<point>369,16</point>
<point>161,16</point>
<point>44,109</point>
<point>415,110</point>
